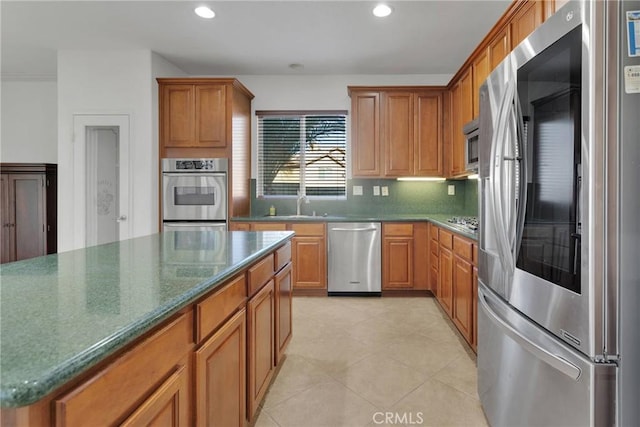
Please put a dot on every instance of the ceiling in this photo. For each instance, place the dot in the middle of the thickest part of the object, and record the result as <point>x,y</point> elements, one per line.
<point>251,37</point>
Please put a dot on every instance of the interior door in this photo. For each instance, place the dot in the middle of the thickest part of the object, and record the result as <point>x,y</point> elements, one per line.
<point>102,192</point>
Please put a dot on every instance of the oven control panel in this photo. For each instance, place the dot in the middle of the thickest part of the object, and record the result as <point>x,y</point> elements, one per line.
<point>194,165</point>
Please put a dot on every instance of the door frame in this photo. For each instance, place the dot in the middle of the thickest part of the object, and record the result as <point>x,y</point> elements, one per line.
<point>80,124</point>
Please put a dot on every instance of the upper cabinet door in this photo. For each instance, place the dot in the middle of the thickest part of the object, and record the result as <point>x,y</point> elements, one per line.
<point>211,120</point>
<point>499,47</point>
<point>365,134</point>
<point>398,133</point>
<point>525,21</point>
<point>428,134</point>
<point>480,73</point>
<point>178,115</point>
<point>194,115</point>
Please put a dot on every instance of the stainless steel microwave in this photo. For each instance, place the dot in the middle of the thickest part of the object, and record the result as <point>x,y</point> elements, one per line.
<point>471,133</point>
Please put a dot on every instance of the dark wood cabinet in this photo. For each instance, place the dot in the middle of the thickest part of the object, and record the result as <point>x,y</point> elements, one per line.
<point>462,291</point>
<point>398,133</point>
<point>461,113</point>
<point>526,19</point>
<point>28,205</point>
<point>309,252</point>
<point>404,255</point>
<point>445,280</point>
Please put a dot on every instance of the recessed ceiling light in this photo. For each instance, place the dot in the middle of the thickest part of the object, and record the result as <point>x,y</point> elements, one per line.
<point>296,66</point>
<point>205,12</point>
<point>382,10</point>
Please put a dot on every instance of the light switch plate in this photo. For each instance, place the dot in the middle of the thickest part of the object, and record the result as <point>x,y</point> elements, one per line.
<point>451,190</point>
<point>357,190</point>
<point>376,190</point>
<point>385,191</point>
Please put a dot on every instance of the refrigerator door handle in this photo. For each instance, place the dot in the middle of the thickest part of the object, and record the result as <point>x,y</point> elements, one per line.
<point>557,362</point>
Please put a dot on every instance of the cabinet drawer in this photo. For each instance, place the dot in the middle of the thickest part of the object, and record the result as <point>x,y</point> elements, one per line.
<point>108,396</point>
<point>393,229</point>
<point>283,256</point>
<point>445,238</point>
<point>268,226</point>
<point>463,247</point>
<point>308,229</point>
<point>212,311</point>
<point>260,274</point>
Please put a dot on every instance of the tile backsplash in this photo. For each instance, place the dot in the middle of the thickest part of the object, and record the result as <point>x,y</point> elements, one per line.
<point>405,197</point>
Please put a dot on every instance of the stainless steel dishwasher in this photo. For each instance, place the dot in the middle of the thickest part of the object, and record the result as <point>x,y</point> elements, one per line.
<point>354,252</point>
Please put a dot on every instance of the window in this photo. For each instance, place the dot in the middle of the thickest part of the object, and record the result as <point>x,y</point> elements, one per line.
<point>302,152</point>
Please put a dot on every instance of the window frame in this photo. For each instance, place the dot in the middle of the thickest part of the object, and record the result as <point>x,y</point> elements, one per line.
<point>302,188</point>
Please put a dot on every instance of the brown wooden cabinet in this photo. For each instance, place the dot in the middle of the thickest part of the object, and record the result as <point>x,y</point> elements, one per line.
<point>434,258</point>
<point>461,113</point>
<point>309,254</point>
<point>455,260</point>
<point>283,283</point>
<point>167,406</point>
<point>365,134</point>
<point>28,210</point>
<point>397,131</point>
<point>462,289</point>
<point>261,348</point>
<point>397,256</point>
<point>527,18</point>
<point>208,118</point>
<point>141,384</point>
<point>499,47</point>
<point>220,366</point>
<point>481,69</point>
<point>404,256</point>
<point>194,115</point>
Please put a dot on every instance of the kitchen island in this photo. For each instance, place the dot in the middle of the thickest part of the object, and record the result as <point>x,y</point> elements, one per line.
<point>85,322</point>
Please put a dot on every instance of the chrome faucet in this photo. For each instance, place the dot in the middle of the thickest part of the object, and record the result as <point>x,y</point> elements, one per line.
<point>301,197</point>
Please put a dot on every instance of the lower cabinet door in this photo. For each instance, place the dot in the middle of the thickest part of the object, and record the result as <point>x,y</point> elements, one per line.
<point>220,366</point>
<point>463,297</point>
<point>167,406</point>
<point>445,280</point>
<point>283,294</point>
<point>261,351</point>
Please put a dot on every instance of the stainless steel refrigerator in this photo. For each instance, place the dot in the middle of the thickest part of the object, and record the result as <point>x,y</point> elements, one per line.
<point>559,236</point>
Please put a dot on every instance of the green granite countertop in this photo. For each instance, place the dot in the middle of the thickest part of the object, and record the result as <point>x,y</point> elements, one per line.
<point>438,219</point>
<point>62,314</point>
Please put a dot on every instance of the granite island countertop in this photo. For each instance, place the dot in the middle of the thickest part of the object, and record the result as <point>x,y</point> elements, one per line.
<point>62,314</point>
<point>438,219</point>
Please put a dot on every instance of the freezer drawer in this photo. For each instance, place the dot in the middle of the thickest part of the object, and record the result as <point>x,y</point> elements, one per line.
<point>354,251</point>
<point>528,377</point>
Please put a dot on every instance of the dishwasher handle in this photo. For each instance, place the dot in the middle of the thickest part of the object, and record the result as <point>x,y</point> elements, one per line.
<point>354,229</point>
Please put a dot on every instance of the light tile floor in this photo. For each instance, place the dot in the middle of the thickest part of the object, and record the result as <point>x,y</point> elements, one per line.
<point>373,361</point>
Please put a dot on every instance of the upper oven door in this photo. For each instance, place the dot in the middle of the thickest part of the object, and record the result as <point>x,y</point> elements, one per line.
<point>194,196</point>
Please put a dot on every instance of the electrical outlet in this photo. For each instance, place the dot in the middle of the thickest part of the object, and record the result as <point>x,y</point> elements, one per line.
<point>376,190</point>
<point>385,191</point>
<point>357,190</point>
<point>451,190</point>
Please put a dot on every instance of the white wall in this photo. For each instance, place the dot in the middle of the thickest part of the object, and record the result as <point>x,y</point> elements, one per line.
<point>318,92</point>
<point>29,122</point>
<point>107,82</point>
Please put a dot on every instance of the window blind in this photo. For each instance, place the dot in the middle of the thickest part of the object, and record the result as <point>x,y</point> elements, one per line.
<point>301,152</point>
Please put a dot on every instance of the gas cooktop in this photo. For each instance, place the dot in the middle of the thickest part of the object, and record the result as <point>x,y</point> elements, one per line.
<point>468,222</point>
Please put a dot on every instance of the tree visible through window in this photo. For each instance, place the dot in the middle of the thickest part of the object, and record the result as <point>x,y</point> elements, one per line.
<point>301,152</point>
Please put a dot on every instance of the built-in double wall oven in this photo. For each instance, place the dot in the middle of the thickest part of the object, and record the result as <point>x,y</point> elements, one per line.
<point>194,194</point>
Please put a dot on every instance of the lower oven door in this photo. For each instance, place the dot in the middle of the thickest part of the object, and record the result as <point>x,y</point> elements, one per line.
<point>526,376</point>
<point>194,196</point>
